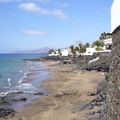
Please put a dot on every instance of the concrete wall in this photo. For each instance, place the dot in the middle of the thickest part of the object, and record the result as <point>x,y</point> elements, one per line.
<point>113,94</point>
<point>115,15</point>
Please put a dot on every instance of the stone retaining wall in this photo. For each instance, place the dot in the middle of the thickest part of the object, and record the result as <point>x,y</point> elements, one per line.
<point>113,93</point>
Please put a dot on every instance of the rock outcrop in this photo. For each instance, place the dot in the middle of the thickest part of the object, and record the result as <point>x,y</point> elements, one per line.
<point>98,63</point>
<point>113,93</point>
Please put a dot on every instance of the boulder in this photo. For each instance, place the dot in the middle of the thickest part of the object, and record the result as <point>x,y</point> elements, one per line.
<point>58,96</point>
<point>39,93</point>
<point>5,112</point>
<point>21,99</point>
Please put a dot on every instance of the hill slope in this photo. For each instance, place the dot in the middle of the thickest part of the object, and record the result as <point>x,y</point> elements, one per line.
<point>35,51</point>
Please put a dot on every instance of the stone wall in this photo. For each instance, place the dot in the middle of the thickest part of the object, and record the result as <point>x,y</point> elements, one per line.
<point>113,93</point>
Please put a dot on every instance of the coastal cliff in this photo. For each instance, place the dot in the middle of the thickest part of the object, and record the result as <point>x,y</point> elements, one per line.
<point>113,78</point>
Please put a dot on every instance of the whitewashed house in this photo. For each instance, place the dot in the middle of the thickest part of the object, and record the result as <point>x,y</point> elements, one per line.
<point>65,52</point>
<point>115,15</point>
<point>108,44</point>
<point>54,54</point>
<point>89,51</point>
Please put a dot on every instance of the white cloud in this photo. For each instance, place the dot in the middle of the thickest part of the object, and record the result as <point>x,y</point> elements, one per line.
<point>59,14</point>
<point>46,1</point>
<point>9,0</point>
<point>64,5</point>
<point>31,7</point>
<point>33,32</point>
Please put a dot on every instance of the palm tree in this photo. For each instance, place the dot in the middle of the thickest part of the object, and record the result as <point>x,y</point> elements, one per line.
<point>83,47</point>
<point>50,51</point>
<point>99,44</point>
<point>87,45</point>
<point>59,51</point>
<point>104,35</point>
<point>80,45</point>
<point>77,49</point>
<point>72,50</point>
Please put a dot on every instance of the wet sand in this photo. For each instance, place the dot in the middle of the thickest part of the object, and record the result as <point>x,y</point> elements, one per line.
<point>64,88</point>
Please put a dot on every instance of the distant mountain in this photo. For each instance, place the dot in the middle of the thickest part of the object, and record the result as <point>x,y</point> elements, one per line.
<point>35,51</point>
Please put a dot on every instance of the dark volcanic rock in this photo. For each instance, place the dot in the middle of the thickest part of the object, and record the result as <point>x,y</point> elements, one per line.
<point>91,94</point>
<point>21,99</point>
<point>101,110</point>
<point>5,112</point>
<point>100,65</point>
<point>113,78</point>
<point>1,100</point>
<point>90,113</point>
<point>39,93</point>
<point>51,58</point>
<point>81,105</point>
<point>58,96</point>
<point>98,117</point>
<point>100,114</point>
<point>102,89</point>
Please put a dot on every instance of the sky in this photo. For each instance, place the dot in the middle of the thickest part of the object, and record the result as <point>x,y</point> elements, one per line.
<point>34,24</point>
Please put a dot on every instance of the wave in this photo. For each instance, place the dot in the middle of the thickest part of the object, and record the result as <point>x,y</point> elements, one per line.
<point>24,87</point>
<point>20,86</point>
<point>9,81</point>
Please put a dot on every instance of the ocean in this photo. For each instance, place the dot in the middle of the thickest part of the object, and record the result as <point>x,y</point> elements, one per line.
<point>17,75</point>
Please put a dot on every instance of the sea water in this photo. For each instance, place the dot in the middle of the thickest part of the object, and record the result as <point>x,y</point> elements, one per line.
<point>17,75</point>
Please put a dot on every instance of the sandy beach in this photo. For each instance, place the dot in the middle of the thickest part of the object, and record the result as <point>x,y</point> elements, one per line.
<point>65,88</point>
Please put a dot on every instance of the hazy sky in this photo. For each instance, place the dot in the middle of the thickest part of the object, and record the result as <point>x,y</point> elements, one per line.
<point>34,24</point>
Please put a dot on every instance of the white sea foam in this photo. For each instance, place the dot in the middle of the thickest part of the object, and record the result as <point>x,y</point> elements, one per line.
<point>20,81</point>
<point>9,81</point>
<point>25,76</point>
<point>2,94</point>
<point>25,87</point>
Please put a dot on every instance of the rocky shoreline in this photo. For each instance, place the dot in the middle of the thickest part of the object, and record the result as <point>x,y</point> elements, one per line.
<point>11,99</point>
<point>95,62</point>
<point>88,63</point>
<point>81,64</point>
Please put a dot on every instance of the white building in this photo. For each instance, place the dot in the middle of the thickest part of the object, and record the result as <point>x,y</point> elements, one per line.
<point>89,51</point>
<point>54,53</point>
<point>107,41</point>
<point>65,52</point>
<point>115,15</point>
